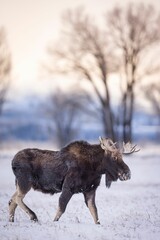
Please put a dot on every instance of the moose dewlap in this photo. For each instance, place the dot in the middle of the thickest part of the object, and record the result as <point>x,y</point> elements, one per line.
<point>76,168</point>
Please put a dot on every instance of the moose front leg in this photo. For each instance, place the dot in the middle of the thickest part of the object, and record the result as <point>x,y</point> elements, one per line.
<point>63,201</point>
<point>90,202</point>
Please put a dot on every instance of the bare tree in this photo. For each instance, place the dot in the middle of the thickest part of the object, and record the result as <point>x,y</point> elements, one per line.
<point>152,93</point>
<point>133,32</point>
<point>65,110</point>
<point>86,54</point>
<point>5,67</point>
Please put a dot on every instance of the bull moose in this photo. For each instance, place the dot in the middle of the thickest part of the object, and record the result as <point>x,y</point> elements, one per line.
<point>76,168</point>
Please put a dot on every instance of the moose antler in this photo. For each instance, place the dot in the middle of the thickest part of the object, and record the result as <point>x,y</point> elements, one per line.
<point>129,149</point>
<point>107,144</point>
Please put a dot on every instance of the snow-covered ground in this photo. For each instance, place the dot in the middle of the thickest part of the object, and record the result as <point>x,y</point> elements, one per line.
<point>128,210</point>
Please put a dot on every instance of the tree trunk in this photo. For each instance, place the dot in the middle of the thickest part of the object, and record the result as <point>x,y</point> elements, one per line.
<point>127,117</point>
<point>108,122</point>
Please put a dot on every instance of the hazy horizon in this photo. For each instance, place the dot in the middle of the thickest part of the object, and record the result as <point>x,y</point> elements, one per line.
<point>30,26</point>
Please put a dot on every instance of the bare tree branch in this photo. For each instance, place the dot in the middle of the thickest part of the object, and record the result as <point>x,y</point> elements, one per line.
<point>5,67</point>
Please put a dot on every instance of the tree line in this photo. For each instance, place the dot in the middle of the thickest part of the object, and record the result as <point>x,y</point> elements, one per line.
<point>126,45</point>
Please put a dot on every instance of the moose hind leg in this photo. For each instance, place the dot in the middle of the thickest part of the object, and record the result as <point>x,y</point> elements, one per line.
<point>19,200</point>
<point>90,202</point>
<point>12,207</point>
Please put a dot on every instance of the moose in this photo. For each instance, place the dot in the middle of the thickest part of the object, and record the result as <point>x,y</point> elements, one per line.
<point>76,168</point>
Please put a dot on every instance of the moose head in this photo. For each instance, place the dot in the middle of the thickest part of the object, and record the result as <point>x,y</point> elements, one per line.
<point>115,166</point>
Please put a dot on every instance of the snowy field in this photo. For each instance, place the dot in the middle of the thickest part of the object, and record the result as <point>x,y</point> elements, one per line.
<point>128,210</point>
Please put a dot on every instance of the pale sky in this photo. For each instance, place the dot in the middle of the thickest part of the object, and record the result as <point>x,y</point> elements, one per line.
<point>31,25</point>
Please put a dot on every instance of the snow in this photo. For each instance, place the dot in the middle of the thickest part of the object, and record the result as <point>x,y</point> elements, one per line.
<point>128,210</point>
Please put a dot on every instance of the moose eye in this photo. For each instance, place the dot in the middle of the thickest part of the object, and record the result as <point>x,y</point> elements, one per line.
<point>115,159</point>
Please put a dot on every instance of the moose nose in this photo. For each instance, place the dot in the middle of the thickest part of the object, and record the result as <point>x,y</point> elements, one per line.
<point>124,176</point>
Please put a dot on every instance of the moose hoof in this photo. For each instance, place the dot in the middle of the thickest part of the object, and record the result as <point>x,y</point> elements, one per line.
<point>11,219</point>
<point>98,222</point>
<point>34,218</point>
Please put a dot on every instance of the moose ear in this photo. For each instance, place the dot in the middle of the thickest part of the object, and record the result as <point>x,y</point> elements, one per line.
<point>102,143</point>
<point>100,139</point>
